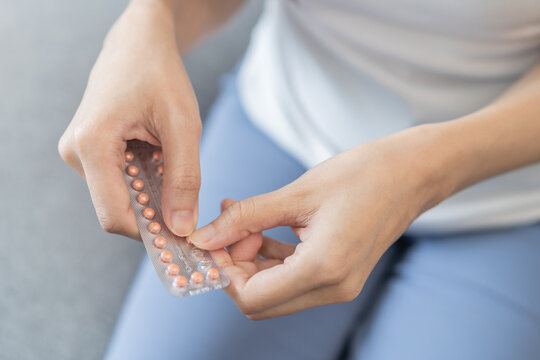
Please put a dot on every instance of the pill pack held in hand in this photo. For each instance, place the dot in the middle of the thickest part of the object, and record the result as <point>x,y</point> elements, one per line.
<point>183,268</point>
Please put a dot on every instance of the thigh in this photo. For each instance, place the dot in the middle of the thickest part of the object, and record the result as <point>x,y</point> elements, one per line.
<point>461,297</point>
<point>237,161</point>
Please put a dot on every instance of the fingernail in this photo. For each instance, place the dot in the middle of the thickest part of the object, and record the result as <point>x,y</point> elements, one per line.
<point>182,222</point>
<point>202,235</point>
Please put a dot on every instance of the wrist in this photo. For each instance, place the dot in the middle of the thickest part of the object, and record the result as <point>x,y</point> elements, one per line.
<point>141,22</point>
<point>186,21</point>
<point>424,160</point>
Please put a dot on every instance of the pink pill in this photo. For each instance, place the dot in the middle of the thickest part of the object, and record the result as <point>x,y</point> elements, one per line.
<point>160,242</point>
<point>128,155</point>
<point>197,277</point>
<point>132,170</point>
<point>173,269</point>
<point>213,274</point>
<point>156,155</point>
<point>154,227</point>
<point>165,256</point>
<point>180,281</point>
<point>137,184</point>
<point>142,198</point>
<point>160,169</point>
<point>149,213</point>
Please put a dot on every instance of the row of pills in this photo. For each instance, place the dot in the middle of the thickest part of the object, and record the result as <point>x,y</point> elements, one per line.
<point>155,227</point>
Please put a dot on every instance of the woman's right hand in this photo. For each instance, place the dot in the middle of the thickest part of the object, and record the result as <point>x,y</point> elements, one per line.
<point>138,89</point>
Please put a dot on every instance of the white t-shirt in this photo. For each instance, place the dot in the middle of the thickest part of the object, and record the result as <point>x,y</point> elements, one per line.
<point>321,76</point>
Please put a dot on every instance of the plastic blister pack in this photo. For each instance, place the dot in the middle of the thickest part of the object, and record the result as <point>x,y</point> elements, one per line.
<point>183,268</point>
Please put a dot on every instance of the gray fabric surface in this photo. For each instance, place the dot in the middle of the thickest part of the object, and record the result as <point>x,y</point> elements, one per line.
<point>63,279</point>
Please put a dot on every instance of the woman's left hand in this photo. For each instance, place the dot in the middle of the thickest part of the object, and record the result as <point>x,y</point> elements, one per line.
<point>347,212</point>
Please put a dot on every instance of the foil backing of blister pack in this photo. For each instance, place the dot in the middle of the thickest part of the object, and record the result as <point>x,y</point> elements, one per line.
<point>196,269</point>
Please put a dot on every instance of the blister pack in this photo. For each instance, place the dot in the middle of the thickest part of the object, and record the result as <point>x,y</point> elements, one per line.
<point>183,268</point>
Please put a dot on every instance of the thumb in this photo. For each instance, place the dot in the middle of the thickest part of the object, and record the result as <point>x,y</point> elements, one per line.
<point>245,217</point>
<point>181,174</point>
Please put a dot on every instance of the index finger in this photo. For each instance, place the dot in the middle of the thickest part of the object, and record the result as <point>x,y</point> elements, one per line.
<point>103,170</point>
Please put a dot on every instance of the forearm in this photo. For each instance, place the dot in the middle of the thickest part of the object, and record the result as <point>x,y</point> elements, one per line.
<point>191,20</point>
<point>160,29</point>
<point>500,137</point>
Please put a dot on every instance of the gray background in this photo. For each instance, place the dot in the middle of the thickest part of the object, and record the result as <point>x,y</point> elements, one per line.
<point>63,279</point>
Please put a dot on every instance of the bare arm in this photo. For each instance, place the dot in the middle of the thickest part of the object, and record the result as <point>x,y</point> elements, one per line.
<point>193,20</point>
<point>348,210</point>
<point>500,137</point>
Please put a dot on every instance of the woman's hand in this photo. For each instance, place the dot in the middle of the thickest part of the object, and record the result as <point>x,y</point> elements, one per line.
<point>138,89</point>
<point>347,212</point>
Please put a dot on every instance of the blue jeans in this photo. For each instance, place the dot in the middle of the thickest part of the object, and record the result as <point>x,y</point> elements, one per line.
<point>473,296</point>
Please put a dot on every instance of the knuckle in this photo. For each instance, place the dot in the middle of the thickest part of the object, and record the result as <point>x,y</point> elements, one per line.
<point>181,118</point>
<point>255,317</point>
<point>108,223</point>
<point>347,293</point>
<point>246,308</point>
<point>240,210</point>
<point>185,179</point>
<point>83,143</point>
<point>332,272</point>
<point>65,149</point>
<point>187,183</point>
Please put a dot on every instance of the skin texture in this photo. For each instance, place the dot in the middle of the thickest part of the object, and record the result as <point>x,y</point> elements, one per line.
<point>346,211</point>
<point>139,89</point>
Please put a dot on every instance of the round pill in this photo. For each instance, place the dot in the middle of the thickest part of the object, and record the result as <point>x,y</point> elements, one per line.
<point>132,170</point>
<point>165,256</point>
<point>137,184</point>
<point>128,155</point>
<point>173,269</point>
<point>160,242</point>
<point>154,227</point>
<point>213,274</point>
<point>160,169</point>
<point>197,277</point>
<point>156,155</point>
<point>149,213</point>
<point>180,281</point>
<point>142,198</point>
